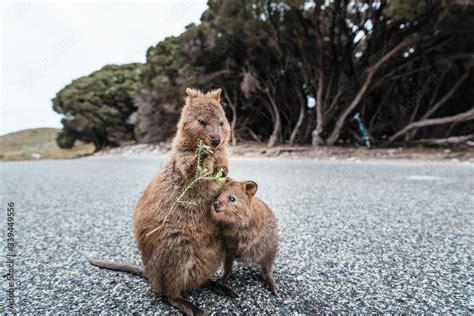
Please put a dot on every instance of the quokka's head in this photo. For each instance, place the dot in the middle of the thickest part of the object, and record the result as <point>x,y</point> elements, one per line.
<point>203,118</point>
<point>233,205</point>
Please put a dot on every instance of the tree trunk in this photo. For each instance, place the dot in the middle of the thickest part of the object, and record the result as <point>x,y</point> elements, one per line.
<point>448,95</point>
<point>371,73</point>
<point>461,117</point>
<point>233,108</point>
<point>274,138</point>
<point>316,139</point>
<point>437,105</point>
<point>296,129</point>
<point>446,141</point>
<point>316,134</point>
<point>376,113</point>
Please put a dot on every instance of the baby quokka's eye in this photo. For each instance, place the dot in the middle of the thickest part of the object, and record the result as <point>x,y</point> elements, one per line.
<point>231,199</point>
<point>202,122</point>
<point>222,123</point>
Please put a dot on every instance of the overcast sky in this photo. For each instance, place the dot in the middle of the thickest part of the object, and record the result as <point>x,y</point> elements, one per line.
<point>45,45</point>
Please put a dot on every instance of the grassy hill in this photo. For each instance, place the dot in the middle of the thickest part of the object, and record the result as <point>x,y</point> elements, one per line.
<point>23,144</point>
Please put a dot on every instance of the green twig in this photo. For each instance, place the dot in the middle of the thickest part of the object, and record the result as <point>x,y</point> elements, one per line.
<point>202,174</point>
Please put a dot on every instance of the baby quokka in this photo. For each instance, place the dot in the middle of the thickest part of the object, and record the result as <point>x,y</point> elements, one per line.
<point>249,229</point>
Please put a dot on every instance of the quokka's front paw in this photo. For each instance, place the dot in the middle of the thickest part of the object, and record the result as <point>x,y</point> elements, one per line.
<point>208,165</point>
<point>205,153</point>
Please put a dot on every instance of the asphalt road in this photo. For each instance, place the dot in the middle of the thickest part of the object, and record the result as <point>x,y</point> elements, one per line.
<point>355,237</point>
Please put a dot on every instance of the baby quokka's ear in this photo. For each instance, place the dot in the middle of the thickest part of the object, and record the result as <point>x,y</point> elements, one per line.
<point>192,93</point>
<point>250,188</point>
<point>215,94</point>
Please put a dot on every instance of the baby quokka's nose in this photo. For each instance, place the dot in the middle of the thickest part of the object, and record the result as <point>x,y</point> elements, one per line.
<point>217,206</point>
<point>215,141</point>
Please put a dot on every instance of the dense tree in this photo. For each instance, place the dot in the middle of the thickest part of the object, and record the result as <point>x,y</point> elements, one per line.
<point>296,71</point>
<point>99,108</point>
<point>164,78</point>
<point>397,63</point>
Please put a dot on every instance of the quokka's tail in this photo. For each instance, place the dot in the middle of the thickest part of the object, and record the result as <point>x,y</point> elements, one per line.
<point>117,266</point>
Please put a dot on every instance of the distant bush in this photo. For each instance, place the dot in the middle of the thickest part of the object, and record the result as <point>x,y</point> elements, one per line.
<point>97,108</point>
<point>65,140</point>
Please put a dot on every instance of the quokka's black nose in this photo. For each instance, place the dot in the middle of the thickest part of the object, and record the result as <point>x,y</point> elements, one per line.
<point>215,141</point>
<point>217,205</point>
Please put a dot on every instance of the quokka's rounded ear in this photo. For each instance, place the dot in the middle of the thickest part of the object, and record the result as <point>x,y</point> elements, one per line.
<point>192,93</point>
<point>215,94</point>
<point>250,188</point>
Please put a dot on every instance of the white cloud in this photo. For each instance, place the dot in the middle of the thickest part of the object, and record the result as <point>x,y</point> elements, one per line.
<point>45,45</point>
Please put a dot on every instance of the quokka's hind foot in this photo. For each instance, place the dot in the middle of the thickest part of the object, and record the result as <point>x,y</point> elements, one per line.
<point>223,279</point>
<point>271,285</point>
<point>267,276</point>
<point>220,288</point>
<point>186,307</point>
<point>228,263</point>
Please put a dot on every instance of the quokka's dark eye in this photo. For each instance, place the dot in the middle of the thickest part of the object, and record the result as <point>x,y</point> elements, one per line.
<point>222,123</point>
<point>202,122</point>
<point>231,199</point>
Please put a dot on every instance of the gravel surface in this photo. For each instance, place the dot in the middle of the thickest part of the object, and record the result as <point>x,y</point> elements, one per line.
<point>355,237</point>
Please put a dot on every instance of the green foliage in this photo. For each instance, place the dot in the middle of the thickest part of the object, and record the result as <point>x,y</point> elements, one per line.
<point>272,57</point>
<point>165,76</point>
<point>97,107</point>
<point>65,140</point>
<point>408,9</point>
<point>202,174</point>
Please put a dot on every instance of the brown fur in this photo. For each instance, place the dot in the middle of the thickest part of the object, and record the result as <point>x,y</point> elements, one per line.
<point>249,228</point>
<point>187,248</point>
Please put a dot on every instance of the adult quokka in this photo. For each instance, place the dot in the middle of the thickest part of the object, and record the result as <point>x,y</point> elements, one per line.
<point>249,229</point>
<point>187,246</point>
